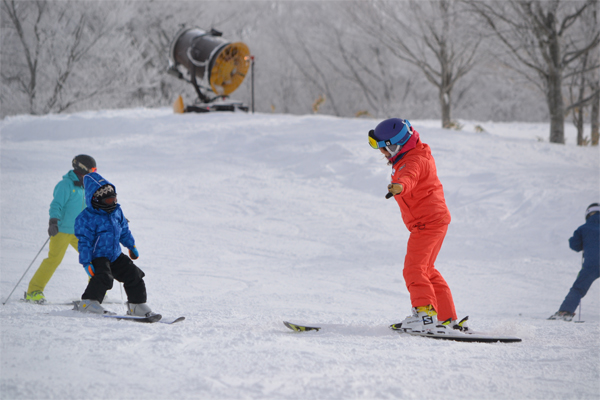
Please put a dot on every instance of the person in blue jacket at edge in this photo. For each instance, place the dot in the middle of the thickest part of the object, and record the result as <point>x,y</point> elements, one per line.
<point>101,229</point>
<point>586,238</point>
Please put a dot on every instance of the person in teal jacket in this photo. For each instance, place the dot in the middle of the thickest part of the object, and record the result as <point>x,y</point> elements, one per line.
<point>67,203</point>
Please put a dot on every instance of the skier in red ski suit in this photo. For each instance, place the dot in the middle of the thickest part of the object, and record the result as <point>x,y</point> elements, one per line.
<point>419,193</point>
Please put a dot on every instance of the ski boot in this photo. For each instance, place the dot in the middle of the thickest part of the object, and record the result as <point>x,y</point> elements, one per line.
<point>89,306</point>
<point>422,320</point>
<point>141,310</point>
<point>563,316</point>
<point>36,296</point>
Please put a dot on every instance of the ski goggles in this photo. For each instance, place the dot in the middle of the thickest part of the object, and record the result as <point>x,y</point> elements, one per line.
<point>109,201</point>
<point>400,139</point>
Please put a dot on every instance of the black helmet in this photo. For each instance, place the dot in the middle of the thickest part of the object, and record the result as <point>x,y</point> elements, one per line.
<point>84,164</point>
<point>592,209</point>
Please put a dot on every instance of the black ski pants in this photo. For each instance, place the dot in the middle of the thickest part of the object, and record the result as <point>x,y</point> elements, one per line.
<point>123,270</point>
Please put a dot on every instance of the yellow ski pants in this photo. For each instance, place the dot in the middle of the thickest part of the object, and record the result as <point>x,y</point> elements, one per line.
<point>58,247</point>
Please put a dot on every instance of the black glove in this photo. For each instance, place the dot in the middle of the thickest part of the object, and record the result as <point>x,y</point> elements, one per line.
<point>53,227</point>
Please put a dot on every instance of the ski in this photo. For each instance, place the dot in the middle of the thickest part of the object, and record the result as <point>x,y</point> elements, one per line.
<point>151,319</point>
<point>136,318</point>
<point>453,336</point>
<point>66,303</point>
<point>458,336</point>
<point>169,322</point>
<point>300,328</point>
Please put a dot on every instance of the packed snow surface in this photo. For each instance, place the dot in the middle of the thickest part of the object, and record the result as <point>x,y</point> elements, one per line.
<point>246,220</point>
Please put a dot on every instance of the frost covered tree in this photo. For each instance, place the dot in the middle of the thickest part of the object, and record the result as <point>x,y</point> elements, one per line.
<point>328,59</point>
<point>69,55</point>
<point>592,74</point>
<point>595,112</point>
<point>333,59</point>
<point>49,51</point>
<point>582,80</point>
<point>62,56</point>
<point>543,39</point>
<point>434,36</point>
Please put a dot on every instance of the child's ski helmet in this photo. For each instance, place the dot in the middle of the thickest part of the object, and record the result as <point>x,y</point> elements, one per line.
<point>84,164</point>
<point>105,198</point>
<point>392,134</point>
<point>592,208</point>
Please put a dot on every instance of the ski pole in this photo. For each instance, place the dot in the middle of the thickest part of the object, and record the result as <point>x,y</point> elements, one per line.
<point>582,261</point>
<point>36,256</point>
<point>121,289</point>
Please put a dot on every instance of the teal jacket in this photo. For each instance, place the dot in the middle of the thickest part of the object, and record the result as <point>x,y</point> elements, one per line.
<point>68,202</point>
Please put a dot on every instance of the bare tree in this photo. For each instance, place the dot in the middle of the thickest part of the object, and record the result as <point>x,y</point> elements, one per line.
<point>51,62</point>
<point>577,90</point>
<point>539,39</point>
<point>595,113</point>
<point>432,35</point>
<point>313,71</point>
<point>582,77</point>
<point>367,68</point>
<point>44,47</point>
<point>314,49</point>
<point>594,80</point>
<point>25,79</point>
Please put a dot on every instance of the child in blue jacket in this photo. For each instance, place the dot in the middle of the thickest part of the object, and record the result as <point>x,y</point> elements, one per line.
<point>101,229</point>
<point>586,238</point>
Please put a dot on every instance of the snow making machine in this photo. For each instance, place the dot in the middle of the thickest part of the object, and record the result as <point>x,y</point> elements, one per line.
<point>214,67</point>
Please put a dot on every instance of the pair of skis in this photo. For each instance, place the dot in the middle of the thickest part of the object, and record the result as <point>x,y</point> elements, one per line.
<point>453,336</point>
<point>62,303</point>
<point>151,319</point>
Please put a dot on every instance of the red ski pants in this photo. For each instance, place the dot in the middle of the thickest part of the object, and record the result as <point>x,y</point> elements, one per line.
<point>424,282</point>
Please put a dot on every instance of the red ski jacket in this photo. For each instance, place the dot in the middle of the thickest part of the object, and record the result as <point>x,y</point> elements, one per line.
<point>422,199</point>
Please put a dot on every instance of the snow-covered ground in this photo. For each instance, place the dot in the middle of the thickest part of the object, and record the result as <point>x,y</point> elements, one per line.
<point>243,221</point>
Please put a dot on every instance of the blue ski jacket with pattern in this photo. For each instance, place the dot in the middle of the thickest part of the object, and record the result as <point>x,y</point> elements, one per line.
<point>100,233</point>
